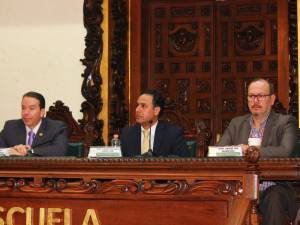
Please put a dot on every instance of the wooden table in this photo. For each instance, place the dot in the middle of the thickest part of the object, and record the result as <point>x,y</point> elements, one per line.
<point>135,191</point>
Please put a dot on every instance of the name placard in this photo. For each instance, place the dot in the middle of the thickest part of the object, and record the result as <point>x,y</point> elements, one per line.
<point>225,151</point>
<point>104,151</point>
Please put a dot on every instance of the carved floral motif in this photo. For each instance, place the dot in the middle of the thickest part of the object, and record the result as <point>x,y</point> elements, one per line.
<point>183,40</point>
<point>249,38</point>
<point>116,186</point>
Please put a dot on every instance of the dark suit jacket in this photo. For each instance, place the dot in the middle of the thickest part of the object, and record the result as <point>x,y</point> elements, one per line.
<point>168,140</point>
<point>279,135</point>
<point>50,140</point>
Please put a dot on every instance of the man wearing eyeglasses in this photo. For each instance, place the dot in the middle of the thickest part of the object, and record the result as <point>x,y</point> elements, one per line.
<point>276,134</point>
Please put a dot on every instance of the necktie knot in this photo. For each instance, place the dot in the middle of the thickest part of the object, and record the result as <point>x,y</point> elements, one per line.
<point>146,133</point>
<point>31,136</point>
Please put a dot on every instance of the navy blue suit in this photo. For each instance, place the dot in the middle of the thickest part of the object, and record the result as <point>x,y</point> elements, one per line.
<point>168,141</point>
<point>50,140</point>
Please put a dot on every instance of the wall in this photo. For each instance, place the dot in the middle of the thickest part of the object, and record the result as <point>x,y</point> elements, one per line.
<point>41,43</point>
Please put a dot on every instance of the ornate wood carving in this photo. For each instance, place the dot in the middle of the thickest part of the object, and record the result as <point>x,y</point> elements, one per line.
<point>203,86</point>
<point>118,186</point>
<point>293,40</point>
<point>194,187</point>
<point>224,35</point>
<point>183,39</point>
<point>59,111</point>
<point>204,105</point>
<point>245,29</point>
<point>91,85</point>
<point>183,95</point>
<point>118,107</point>
<point>249,38</point>
<point>241,67</point>
<point>229,86</point>
<point>158,40</point>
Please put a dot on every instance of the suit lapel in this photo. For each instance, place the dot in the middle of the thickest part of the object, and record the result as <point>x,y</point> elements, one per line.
<point>245,132</point>
<point>158,136</point>
<point>137,136</point>
<point>268,128</point>
<point>20,134</point>
<point>40,135</point>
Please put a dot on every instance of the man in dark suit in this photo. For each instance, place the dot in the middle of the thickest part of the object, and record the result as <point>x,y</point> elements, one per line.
<point>33,133</point>
<point>162,139</point>
<point>277,135</point>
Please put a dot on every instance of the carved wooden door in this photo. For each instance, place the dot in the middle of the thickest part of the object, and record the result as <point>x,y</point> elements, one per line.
<point>202,54</point>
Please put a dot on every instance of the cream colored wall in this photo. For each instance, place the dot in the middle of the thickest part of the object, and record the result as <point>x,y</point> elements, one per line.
<point>41,42</point>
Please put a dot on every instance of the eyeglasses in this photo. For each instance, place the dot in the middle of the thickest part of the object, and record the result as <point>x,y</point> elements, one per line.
<point>258,97</point>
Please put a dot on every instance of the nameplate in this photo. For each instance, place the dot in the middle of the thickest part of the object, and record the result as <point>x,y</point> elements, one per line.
<point>225,151</point>
<point>104,151</point>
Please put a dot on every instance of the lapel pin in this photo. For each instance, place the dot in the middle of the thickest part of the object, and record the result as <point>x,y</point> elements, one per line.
<point>41,134</point>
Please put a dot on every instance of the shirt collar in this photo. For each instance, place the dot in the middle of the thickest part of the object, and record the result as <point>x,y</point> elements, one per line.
<point>153,128</point>
<point>35,129</point>
<point>262,124</point>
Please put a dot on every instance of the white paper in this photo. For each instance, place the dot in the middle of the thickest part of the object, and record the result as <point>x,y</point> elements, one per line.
<point>104,151</point>
<point>225,151</point>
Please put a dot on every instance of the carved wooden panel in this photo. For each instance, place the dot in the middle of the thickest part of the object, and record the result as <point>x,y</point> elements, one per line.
<point>246,48</point>
<point>203,61</point>
<point>179,52</point>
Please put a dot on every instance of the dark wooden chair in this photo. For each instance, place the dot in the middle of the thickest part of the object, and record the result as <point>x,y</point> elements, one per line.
<point>76,135</point>
<point>197,139</point>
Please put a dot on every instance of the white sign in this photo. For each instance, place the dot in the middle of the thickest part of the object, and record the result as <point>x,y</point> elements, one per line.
<point>104,151</point>
<point>225,151</point>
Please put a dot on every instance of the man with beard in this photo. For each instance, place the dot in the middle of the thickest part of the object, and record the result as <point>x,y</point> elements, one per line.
<point>277,134</point>
<point>149,136</point>
<point>33,134</point>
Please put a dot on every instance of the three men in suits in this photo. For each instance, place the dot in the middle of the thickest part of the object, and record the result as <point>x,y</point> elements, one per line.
<point>277,134</point>
<point>33,133</point>
<point>149,135</point>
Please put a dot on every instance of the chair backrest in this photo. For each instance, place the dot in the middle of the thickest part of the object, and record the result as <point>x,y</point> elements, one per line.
<point>76,135</point>
<point>197,139</point>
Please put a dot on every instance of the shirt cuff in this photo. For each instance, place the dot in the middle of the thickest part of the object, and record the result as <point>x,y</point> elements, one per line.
<point>4,152</point>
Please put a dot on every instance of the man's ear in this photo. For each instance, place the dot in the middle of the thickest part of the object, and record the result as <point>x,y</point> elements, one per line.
<point>273,98</point>
<point>156,110</point>
<point>42,113</point>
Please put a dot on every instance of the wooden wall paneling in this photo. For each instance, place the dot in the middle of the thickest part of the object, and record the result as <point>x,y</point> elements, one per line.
<point>283,57</point>
<point>119,70</point>
<point>179,54</point>
<point>246,48</point>
<point>135,58</point>
<point>202,54</point>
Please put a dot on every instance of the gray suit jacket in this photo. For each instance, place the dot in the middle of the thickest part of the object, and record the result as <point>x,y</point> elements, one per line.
<point>279,135</point>
<point>50,140</point>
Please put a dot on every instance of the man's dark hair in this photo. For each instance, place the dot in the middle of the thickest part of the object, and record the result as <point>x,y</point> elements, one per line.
<point>271,85</point>
<point>37,96</point>
<point>158,99</point>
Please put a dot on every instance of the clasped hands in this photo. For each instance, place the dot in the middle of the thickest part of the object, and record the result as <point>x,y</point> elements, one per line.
<point>20,150</point>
